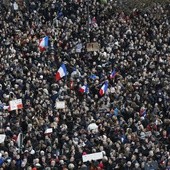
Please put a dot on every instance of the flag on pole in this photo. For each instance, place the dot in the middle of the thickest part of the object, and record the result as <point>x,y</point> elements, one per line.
<point>48,131</point>
<point>142,112</point>
<point>43,43</point>
<point>103,89</point>
<point>113,74</point>
<point>20,140</point>
<point>62,71</point>
<point>83,89</point>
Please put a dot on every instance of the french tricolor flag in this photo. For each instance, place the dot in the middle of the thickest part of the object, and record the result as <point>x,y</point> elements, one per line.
<point>113,74</point>
<point>83,89</point>
<point>103,89</point>
<point>62,71</point>
<point>43,43</point>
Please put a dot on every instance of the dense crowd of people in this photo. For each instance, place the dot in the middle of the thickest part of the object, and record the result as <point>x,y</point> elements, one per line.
<point>130,123</point>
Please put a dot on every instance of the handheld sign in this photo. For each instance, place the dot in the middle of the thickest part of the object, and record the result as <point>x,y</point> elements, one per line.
<point>15,104</point>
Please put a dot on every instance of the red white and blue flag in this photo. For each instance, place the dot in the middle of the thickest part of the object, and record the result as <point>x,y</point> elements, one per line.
<point>43,43</point>
<point>62,71</point>
<point>83,89</point>
<point>113,74</point>
<point>103,89</point>
<point>142,112</point>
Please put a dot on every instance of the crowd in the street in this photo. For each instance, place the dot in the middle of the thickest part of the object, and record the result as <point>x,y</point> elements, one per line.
<point>129,123</point>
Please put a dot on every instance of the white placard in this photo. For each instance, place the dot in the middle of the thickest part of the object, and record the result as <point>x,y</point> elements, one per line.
<point>2,138</point>
<point>49,130</point>
<point>60,105</point>
<point>15,104</point>
<point>92,156</point>
<point>94,46</point>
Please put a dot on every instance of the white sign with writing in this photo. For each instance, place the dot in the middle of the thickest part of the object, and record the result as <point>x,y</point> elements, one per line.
<point>60,105</point>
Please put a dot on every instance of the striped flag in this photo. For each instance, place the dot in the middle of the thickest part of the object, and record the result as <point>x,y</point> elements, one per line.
<point>83,89</point>
<point>103,89</point>
<point>113,74</point>
<point>20,140</point>
<point>62,71</point>
<point>43,43</point>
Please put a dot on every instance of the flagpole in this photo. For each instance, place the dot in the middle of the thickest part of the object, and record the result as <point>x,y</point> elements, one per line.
<point>20,140</point>
<point>88,25</point>
<point>20,152</point>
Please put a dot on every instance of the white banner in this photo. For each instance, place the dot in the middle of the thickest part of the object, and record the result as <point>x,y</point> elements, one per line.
<point>92,156</point>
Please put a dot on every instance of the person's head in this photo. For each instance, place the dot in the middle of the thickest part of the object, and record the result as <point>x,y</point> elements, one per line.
<point>133,158</point>
<point>43,159</point>
<point>129,164</point>
<point>137,165</point>
<point>71,166</point>
<point>53,163</point>
<point>29,168</point>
